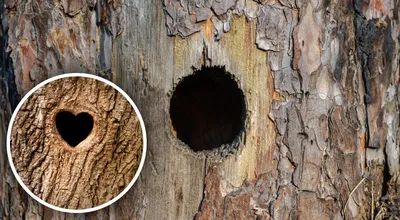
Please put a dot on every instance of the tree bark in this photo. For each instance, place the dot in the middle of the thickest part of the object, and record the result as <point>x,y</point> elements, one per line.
<point>320,80</point>
<point>91,173</point>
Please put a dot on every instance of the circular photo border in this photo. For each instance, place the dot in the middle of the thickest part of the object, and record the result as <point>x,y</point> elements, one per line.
<point>138,171</point>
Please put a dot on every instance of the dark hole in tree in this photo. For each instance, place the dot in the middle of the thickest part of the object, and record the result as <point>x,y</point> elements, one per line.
<point>207,109</point>
<point>74,129</point>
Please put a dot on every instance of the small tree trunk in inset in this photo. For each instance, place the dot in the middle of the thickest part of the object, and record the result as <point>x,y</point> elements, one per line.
<point>100,165</point>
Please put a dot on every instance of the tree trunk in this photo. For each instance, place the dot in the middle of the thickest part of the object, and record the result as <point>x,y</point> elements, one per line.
<point>61,166</point>
<point>320,81</point>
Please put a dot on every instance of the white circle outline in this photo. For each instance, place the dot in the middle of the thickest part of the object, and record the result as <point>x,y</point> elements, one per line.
<point>138,171</point>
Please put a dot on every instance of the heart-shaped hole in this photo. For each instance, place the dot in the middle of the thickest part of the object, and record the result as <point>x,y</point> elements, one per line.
<point>74,128</point>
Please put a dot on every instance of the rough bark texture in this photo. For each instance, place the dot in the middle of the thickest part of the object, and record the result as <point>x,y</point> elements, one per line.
<point>320,78</point>
<point>93,172</point>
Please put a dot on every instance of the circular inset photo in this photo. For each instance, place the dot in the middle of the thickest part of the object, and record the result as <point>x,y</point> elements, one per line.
<point>76,143</point>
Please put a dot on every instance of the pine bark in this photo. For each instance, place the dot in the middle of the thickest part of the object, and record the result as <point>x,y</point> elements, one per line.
<point>320,79</point>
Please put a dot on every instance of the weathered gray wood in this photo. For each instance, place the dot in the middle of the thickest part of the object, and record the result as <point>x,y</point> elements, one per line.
<point>310,136</point>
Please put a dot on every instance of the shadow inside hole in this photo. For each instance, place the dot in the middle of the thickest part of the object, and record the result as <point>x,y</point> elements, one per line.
<point>74,129</point>
<point>207,109</point>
